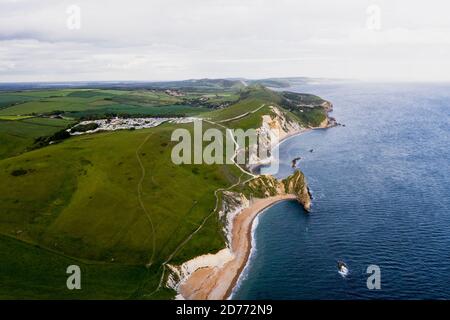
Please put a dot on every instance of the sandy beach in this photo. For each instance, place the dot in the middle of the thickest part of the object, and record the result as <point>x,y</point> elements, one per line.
<point>216,283</point>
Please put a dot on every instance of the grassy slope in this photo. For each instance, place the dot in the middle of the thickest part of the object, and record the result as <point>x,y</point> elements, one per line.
<point>254,97</point>
<point>79,200</point>
<point>10,99</point>
<point>16,136</point>
<point>307,108</point>
<point>30,272</point>
<point>92,102</point>
<point>312,116</point>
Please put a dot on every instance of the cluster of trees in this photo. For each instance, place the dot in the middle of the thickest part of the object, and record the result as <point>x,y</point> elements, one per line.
<point>56,137</point>
<point>199,102</point>
<point>292,100</point>
<point>84,127</point>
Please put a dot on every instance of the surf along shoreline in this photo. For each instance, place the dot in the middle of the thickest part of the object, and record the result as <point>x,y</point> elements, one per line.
<point>251,240</point>
<point>252,229</point>
<point>217,278</point>
<point>217,283</point>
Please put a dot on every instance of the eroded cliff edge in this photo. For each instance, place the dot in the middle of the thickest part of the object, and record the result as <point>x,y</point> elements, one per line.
<point>276,126</point>
<point>268,186</point>
<point>233,206</point>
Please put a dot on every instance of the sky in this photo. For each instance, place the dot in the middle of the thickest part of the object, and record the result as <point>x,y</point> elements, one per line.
<point>109,40</point>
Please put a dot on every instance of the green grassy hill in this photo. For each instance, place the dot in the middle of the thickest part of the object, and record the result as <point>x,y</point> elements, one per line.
<point>18,136</point>
<point>33,272</point>
<point>256,101</point>
<point>82,103</point>
<point>25,115</point>
<point>112,203</point>
<point>81,198</point>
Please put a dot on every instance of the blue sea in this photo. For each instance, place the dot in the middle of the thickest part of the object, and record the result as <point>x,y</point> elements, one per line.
<point>381,196</point>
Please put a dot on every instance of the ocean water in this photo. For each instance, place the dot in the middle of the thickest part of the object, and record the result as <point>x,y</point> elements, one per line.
<point>381,196</point>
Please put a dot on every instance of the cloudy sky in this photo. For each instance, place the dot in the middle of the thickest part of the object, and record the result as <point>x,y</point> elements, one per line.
<point>43,40</point>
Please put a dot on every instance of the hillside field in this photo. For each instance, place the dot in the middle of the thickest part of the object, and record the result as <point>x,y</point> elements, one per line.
<point>111,202</point>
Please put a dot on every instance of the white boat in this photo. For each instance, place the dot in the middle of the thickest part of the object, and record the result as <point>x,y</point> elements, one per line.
<point>342,269</point>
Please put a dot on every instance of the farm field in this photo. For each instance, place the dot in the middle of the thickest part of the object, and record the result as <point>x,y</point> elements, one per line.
<point>27,115</point>
<point>80,198</point>
<point>82,103</point>
<point>19,135</point>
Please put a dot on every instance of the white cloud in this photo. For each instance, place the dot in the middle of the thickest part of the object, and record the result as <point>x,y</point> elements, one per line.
<point>173,39</point>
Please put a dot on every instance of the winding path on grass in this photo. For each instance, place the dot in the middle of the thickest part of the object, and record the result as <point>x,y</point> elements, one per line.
<point>164,264</point>
<point>216,193</point>
<point>242,115</point>
<point>141,203</point>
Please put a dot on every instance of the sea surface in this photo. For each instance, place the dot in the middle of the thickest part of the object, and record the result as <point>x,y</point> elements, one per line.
<point>381,196</point>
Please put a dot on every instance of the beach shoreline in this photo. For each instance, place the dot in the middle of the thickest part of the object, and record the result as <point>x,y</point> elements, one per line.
<point>217,283</point>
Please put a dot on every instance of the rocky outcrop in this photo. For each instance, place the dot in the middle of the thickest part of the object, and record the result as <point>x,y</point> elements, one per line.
<point>279,122</point>
<point>329,121</point>
<point>296,184</point>
<point>275,127</point>
<point>268,186</point>
<point>232,204</point>
<point>179,274</point>
<point>328,106</point>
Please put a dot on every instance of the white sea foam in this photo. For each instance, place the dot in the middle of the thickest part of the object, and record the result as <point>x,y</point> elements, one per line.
<point>246,270</point>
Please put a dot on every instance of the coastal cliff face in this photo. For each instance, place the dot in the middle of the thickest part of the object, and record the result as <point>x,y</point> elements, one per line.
<point>296,184</point>
<point>179,274</point>
<point>329,121</point>
<point>275,127</point>
<point>328,106</point>
<point>268,186</point>
<point>233,203</point>
<point>279,125</point>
